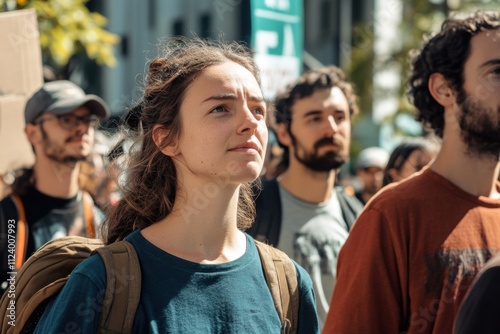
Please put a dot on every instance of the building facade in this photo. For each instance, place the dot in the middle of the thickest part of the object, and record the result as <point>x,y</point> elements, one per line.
<point>145,25</point>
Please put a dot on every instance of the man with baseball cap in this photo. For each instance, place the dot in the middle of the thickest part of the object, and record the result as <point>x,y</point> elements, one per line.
<point>46,201</point>
<point>370,170</point>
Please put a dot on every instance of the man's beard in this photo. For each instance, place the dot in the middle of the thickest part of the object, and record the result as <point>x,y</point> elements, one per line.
<point>58,153</point>
<point>325,163</point>
<point>480,127</point>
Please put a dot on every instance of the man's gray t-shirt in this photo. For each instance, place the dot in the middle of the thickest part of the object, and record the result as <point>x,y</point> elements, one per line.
<point>313,234</point>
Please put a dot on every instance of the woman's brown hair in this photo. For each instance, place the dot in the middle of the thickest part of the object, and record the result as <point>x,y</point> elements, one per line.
<point>149,192</point>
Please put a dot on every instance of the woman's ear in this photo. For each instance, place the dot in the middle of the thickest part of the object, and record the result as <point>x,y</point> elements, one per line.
<point>441,90</point>
<point>284,137</point>
<point>159,135</point>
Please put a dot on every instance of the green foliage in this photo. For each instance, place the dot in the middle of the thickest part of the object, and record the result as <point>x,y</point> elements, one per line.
<point>361,66</point>
<point>68,28</point>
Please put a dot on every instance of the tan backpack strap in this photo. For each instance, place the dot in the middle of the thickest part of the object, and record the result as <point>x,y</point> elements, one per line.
<point>21,232</point>
<point>88,214</point>
<point>289,292</point>
<point>281,279</point>
<point>123,287</point>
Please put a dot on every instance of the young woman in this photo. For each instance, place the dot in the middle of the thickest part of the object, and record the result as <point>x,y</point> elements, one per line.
<point>201,138</point>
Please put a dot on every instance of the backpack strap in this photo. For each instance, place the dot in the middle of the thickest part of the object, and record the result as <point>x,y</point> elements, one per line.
<point>267,223</point>
<point>123,287</point>
<point>281,279</point>
<point>21,232</point>
<point>41,277</point>
<point>88,213</point>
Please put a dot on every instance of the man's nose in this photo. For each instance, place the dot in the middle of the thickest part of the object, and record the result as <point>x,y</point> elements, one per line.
<point>331,125</point>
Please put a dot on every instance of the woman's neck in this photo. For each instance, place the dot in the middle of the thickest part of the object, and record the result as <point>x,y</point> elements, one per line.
<point>202,227</point>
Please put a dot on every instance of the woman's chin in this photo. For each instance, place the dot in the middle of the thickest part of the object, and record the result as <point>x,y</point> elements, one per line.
<point>248,173</point>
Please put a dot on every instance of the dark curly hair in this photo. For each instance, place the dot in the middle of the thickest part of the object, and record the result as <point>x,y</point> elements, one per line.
<point>445,52</point>
<point>305,86</point>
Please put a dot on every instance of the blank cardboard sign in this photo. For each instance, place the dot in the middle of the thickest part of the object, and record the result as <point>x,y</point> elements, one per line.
<point>20,53</point>
<point>15,149</point>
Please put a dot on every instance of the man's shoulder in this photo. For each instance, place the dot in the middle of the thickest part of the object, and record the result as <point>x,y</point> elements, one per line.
<point>410,190</point>
<point>345,193</point>
<point>7,200</point>
<point>267,223</point>
<point>8,208</point>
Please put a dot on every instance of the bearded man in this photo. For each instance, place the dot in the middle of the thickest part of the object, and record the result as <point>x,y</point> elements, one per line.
<point>419,243</point>
<point>302,212</point>
<point>46,201</point>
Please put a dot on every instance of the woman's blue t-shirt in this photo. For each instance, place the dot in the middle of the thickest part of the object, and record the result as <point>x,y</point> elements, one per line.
<point>179,296</point>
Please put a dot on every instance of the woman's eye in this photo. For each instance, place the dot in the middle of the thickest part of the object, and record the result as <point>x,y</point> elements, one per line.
<point>259,111</point>
<point>218,109</point>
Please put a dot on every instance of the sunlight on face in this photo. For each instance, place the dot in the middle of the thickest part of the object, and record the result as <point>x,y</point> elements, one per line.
<point>224,133</point>
<point>479,117</point>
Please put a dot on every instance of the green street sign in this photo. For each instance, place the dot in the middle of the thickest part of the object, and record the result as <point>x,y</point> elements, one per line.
<point>277,39</point>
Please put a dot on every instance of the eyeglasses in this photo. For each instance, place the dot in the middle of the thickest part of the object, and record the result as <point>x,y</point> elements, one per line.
<point>70,122</point>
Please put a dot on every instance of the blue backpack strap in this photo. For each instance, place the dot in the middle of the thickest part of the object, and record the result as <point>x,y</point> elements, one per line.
<point>267,224</point>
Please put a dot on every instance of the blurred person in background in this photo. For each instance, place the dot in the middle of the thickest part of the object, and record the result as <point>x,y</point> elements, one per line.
<point>370,166</point>
<point>46,201</point>
<point>99,173</point>
<point>408,158</point>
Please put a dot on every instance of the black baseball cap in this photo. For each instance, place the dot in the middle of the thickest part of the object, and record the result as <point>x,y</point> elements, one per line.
<point>62,97</point>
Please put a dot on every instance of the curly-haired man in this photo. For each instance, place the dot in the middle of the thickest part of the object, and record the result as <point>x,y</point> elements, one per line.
<point>417,246</point>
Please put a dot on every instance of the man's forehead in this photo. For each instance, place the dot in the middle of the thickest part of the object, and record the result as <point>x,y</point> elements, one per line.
<point>322,97</point>
<point>485,46</point>
<point>80,111</point>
